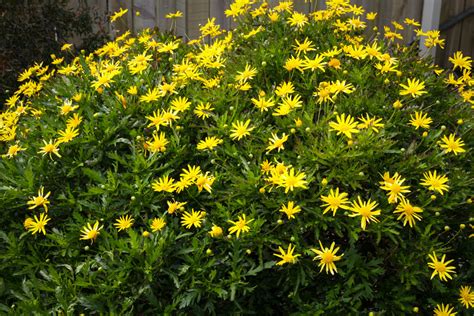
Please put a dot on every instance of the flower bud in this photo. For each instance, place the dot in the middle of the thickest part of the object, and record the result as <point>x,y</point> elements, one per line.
<point>279,222</point>
<point>145,234</point>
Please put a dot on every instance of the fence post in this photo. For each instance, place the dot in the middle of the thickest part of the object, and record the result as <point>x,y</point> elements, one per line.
<point>429,21</point>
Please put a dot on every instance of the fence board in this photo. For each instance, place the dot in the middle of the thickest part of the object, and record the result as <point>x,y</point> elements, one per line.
<point>452,36</point>
<point>197,14</point>
<point>163,7</point>
<point>467,32</point>
<point>147,17</point>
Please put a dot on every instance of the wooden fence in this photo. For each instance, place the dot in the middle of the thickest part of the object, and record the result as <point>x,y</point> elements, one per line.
<point>460,36</point>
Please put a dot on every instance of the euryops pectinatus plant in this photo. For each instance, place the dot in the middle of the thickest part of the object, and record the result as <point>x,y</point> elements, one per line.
<point>296,164</point>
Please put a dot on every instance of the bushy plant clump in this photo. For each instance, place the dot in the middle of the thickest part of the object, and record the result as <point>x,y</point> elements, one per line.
<point>292,165</point>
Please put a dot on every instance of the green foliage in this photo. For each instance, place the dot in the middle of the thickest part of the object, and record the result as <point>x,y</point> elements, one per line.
<point>107,171</point>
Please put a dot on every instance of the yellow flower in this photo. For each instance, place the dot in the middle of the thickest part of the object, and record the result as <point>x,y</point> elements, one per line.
<point>174,15</point>
<point>27,223</point>
<point>305,46</point>
<point>38,224</point>
<point>247,74</point>
<point>452,145</point>
<point>298,19</point>
<point>370,123</point>
<point>289,180</point>
<point>420,120</point>
<point>463,62</point>
<point>284,89</point>
<point>395,188</point>
<point>286,256</point>
<point>408,212</point>
<point>371,16</point>
<point>435,182</point>
<point>364,210</point>
<point>165,184</point>
<point>344,125</point>
<point>409,21</point>
<point>317,63</point>
<point>151,96</point>
<point>216,231</point>
<point>293,63</point>
<point>13,150</point>
<point>133,90</point>
<point>414,87</point>
<point>67,135</point>
<point>174,206</point>
<point>205,181</point>
<point>67,107</point>
<point>74,121</point>
<point>276,143</point>
<point>290,210</point>
<point>209,143</point>
<point>203,110</point>
<point>327,257</point>
<point>335,200</point>
<point>397,104</point>
<point>240,129</point>
<point>441,268</point>
<point>50,148</point>
<point>180,104</point>
<point>118,14</point>
<point>158,144</point>
<point>192,219</point>
<point>139,63</point>
<point>262,103</point>
<point>466,296</point>
<point>40,200</point>
<point>157,224</point>
<point>66,47</point>
<point>91,232</point>
<point>240,226</point>
<point>334,63</point>
<point>191,173</point>
<point>124,222</point>
<point>444,310</point>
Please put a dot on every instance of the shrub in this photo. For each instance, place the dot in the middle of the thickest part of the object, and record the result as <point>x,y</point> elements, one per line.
<point>289,166</point>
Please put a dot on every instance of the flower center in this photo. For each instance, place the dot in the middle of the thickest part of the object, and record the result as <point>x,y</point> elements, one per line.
<point>327,257</point>
<point>440,267</point>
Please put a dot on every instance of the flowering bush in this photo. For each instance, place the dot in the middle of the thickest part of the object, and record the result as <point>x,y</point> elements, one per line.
<point>289,166</point>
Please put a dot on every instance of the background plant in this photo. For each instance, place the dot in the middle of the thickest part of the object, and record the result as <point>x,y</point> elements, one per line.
<point>33,30</point>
